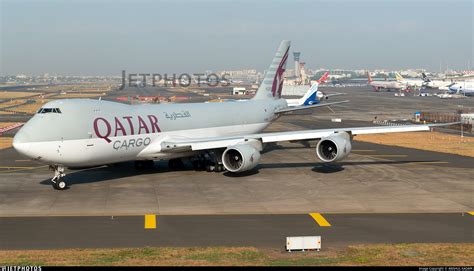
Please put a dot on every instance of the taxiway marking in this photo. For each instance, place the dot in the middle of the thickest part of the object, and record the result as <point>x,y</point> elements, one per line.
<point>320,219</point>
<point>386,155</point>
<point>150,221</point>
<point>433,162</point>
<point>17,167</point>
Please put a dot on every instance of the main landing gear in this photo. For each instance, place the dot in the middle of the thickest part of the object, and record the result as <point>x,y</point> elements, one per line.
<point>209,161</point>
<point>58,179</point>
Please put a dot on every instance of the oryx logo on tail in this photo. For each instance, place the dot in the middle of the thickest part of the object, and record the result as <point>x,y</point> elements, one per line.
<point>272,82</point>
<point>278,80</point>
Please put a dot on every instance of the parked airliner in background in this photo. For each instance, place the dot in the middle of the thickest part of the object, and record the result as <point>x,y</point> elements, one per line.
<point>388,85</point>
<point>435,83</point>
<point>312,96</point>
<point>409,83</point>
<point>466,88</point>
<point>85,133</point>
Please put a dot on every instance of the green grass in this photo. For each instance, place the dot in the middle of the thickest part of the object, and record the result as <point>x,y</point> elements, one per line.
<point>378,255</point>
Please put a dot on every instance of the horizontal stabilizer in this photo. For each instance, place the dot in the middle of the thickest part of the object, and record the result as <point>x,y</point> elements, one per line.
<point>333,94</point>
<point>295,108</point>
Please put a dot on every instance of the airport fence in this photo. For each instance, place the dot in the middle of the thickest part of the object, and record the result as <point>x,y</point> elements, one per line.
<point>434,117</point>
<point>447,117</point>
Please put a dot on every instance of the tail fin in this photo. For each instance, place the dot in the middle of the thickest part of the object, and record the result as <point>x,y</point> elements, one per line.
<point>272,83</point>
<point>369,79</point>
<point>425,78</point>
<point>323,78</point>
<point>311,96</point>
<point>398,77</point>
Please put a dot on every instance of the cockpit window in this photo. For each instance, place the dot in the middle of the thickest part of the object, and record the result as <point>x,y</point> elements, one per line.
<point>49,110</point>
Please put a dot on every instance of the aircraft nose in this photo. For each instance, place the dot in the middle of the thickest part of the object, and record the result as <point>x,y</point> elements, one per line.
<point>21,142</point>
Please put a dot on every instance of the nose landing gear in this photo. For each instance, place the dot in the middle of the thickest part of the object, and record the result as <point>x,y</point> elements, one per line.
<point>58,179</point>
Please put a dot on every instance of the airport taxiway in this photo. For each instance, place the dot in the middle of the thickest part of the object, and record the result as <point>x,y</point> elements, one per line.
<point>378,194</point>
<point>289,180</point>
<point>231,230</point>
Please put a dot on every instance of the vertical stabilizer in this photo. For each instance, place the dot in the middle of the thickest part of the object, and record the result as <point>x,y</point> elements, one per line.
<point>425,78</point>
<point>369,78</point>
<point>272,83</point>
<point>323,78</point>
<point>398,77</point>
<point>311,96</point>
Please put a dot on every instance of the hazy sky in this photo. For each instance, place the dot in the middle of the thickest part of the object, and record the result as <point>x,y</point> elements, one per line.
<point>104,37</point>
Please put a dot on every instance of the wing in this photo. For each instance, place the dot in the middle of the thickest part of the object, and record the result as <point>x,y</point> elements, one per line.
<point>197,144</point>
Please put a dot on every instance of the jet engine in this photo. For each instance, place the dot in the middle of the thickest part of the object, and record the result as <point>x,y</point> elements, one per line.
<point>334,147</point>
<point>240,158</point>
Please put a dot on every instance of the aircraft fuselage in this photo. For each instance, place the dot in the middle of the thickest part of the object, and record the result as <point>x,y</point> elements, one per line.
<point>93,132</point>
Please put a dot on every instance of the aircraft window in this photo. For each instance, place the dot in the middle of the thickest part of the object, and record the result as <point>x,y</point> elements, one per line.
<point>48,110</point>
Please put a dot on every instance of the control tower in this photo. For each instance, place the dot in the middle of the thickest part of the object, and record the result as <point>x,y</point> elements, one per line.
<point>296,56</point>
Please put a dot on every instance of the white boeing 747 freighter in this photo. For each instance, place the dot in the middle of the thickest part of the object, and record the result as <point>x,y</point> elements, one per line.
<point>85,133</point>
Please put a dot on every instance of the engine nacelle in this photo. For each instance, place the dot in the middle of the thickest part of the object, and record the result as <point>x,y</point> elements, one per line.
<point>334,147</point>
<point>240,158</point>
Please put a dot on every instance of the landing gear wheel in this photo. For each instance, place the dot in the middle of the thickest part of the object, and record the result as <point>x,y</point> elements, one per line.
<point>220,168</point>
<point>60,184</point>
<point>210,168</point>
<point>58,179</point>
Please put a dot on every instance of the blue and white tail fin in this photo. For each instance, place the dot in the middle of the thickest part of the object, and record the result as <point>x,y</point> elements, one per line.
<point>311,96</point>
<point>272,83</point>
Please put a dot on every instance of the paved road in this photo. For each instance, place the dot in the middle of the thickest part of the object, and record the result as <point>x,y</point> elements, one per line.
<point>231,230</point>
<point>406,195</point>
<point>289,179</point>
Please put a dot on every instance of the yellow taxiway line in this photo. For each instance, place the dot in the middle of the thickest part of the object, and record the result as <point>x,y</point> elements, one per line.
<point>150,221</point>
<point>320,219</point>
